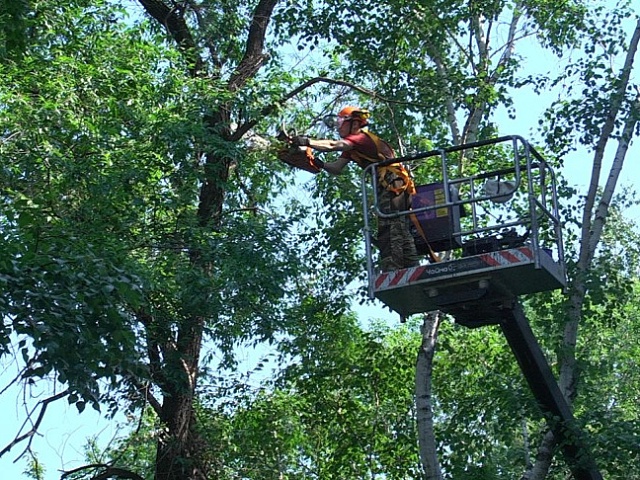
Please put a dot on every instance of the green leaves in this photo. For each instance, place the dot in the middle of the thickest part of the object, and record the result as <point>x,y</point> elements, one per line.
<point>70,307</point>
<point>341,409</point>
<point>581,115</point>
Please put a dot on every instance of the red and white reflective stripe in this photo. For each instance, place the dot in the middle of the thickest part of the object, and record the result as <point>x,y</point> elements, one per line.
<point>507,257</point>
<point>399,277</point>
<point>501,258</point>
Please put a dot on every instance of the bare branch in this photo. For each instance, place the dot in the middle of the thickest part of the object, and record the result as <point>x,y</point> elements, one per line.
<point>269,109</point>
<point>477,22</point>
<point>109,472</point>
<point>34,429</point>
<point>600,217</point>
<point>16,379</point>
<point>10,137</point>
<point>509,45</point>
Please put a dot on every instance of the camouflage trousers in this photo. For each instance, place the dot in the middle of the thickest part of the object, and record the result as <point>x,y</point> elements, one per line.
<point>397,248</point>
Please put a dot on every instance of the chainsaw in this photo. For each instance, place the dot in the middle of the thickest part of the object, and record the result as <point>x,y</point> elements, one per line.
<point>296,156</point>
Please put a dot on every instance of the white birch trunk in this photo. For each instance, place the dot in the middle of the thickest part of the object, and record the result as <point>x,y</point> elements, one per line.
<point>424,365</point>
<point>424,405</point>
<point>593,221</point>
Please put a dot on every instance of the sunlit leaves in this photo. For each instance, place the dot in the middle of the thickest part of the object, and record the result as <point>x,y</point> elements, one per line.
<point>590,85</point>
<point>100,174</point>
<point>102,152</point>
<point>342,408</point>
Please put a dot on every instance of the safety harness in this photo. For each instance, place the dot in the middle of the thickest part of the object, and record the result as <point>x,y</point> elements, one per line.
<point>407,183</point>
<point>395,168</point>
<point>433,257</point>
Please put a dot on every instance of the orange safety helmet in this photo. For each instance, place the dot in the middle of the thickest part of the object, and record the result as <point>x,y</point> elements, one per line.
<point>356,113</point>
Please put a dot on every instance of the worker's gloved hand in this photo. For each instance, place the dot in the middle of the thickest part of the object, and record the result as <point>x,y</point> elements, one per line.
<point>300,141</point>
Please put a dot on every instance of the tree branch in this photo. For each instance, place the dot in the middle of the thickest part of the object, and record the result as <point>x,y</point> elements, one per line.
<point>509,45</point>
<point>477,109</point>
<point>18,377</point>
<point>109,472</point>
<point>253,55</point>
<point>587,246</point>
<point>462,50</point>
<point>477,22</point>
<point>173,21</point>
<point>449,105</point>
<point>600,216</point>
<point>214,57</point>
<point>269,109</point>
<point>34,429</point>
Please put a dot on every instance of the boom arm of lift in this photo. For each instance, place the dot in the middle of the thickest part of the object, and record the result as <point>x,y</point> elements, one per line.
<point>536,370</point>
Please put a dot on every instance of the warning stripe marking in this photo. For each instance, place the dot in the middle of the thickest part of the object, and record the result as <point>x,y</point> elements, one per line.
<point>494,259</point>
<point>399,277</point>
<point>416,274</point>
<point>507,257</point>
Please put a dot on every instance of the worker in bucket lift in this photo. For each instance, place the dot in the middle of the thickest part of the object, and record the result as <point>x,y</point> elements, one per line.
<point>395,185</point>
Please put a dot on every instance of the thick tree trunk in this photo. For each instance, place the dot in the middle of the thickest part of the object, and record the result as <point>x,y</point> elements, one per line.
<point>424,406</point>
<point>174,363</point>
<point>179,449</point>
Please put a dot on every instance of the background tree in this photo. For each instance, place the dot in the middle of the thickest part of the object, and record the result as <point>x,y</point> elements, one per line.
<point>612,117</point>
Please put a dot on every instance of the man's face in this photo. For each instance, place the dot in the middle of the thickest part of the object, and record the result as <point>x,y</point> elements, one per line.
<point>346,125</point>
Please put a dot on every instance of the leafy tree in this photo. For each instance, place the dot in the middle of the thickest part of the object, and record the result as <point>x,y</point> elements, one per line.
<point>597,123</point>
<point>125,219</point>
<point>342,408</point>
